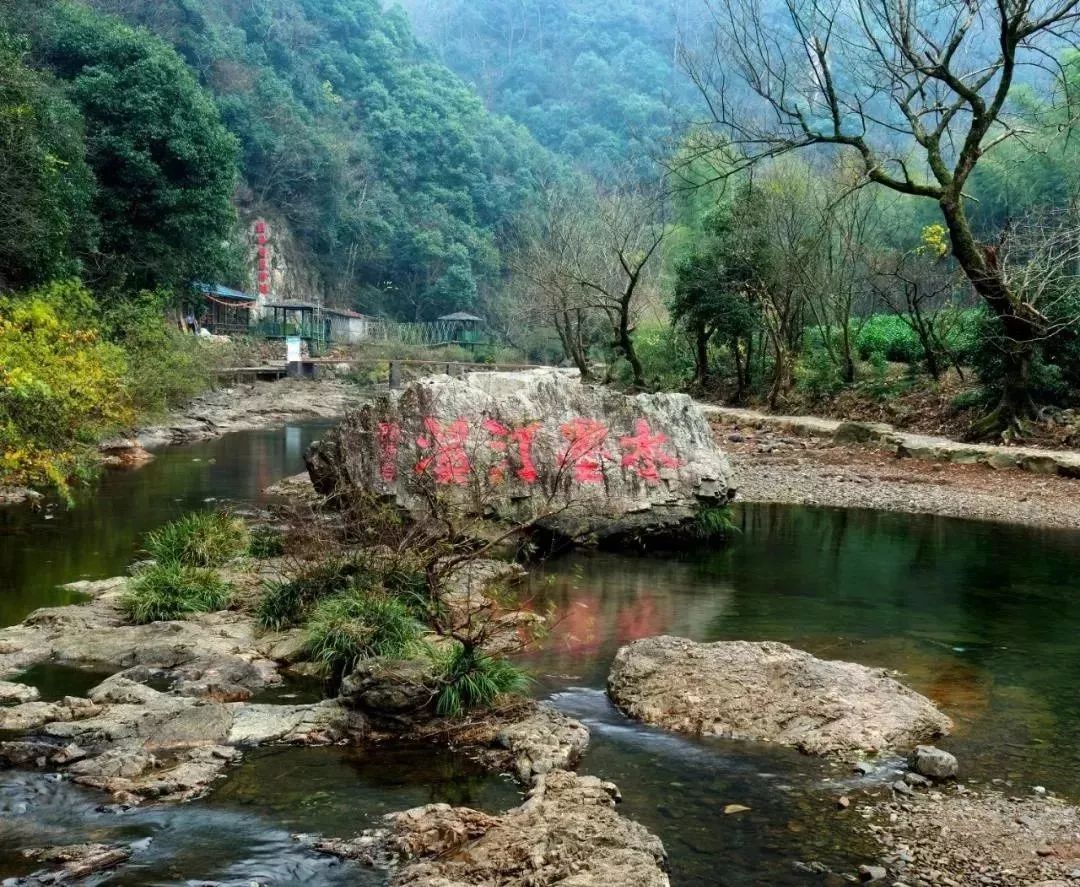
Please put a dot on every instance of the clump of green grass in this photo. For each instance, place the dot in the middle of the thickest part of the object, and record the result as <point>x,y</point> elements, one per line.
<point>714,522</point>
<point>266,542</point>
<point>469,679</point>
<point>200,539</point>
<point>287,603</point>
<point>174,591</point>
<point>360,624</point>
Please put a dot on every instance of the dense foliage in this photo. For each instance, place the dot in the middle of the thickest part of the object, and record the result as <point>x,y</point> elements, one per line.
<point>600,83</point>
<point>45,184</point>
<point>61,385</point>
<point>136,149</point>
<point>386,167</point>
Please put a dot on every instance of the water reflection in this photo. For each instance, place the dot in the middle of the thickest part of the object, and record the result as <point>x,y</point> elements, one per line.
<point>101,536</point>
<point>985,619</point>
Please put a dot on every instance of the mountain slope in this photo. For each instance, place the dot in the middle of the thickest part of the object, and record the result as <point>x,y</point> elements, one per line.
<point>388,170</point>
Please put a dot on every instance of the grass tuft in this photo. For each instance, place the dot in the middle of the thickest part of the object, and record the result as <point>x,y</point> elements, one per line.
<point>715,522</point>
<point>199,539</point>
<point>288,603</point>
<point>470,679</point>
<point>360,624</point>
<point>166,591</point>
<point>266,542</point>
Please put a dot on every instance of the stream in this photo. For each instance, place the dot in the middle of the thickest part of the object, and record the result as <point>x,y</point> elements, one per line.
<point>983,618</point>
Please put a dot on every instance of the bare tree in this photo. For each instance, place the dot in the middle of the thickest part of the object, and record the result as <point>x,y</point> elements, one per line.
<point>837,283</point>
<point>618,265</point>
<point>589,263</point>
<point>546,266</point>
<point>1039,258</point>
<point>916,91</point>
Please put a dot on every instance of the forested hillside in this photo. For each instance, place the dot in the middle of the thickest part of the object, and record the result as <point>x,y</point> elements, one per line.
<point>387,168</point>
<point>601,83</point>
<point>138,140</point>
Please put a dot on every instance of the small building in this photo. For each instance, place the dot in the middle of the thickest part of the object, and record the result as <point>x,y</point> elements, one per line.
<point>224,311</point>
<point>281,320</point>
<point>461,328</point>
<point>347,327</point>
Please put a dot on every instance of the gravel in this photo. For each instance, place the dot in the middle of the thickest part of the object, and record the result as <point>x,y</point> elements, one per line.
<point>772,467</point>
<point>963,839</point>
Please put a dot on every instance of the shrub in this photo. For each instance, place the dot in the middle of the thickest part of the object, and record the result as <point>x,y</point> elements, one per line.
<point>266,542</point>
<point>889,335</point>
<point>288,603</point>
<point>817,375</point>
<point>165,368</point>
<point>61,386</point>
<point>199,539</point>
<point>173,591</point>
<point>470,679</point>
<point>361,623</point>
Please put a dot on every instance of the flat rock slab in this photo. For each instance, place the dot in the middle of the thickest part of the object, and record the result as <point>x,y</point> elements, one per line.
<point>567,833</point>
<point>770,692</point>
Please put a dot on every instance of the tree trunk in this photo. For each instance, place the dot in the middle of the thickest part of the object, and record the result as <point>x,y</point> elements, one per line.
<point>740,375</point>
<point>848,367</point>
<point>569,336</point>
<point>1020,330</point>
<point>782,375</point>
<point>701,355</point>
<point>626,344</point>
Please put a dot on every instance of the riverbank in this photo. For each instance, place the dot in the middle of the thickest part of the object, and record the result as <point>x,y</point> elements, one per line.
<point>246,407</point>
<point>959,838</point>
<point>249,407</point>
<point>776,465</point>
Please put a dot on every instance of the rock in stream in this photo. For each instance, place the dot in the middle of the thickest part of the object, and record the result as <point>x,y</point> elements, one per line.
<point>578,460</point>
<point>770,692</point>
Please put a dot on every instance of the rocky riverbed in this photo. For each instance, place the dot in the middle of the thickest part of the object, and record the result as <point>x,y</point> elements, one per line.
<point>956,837</point>
<point>177,713</point>
<point>246,407</point>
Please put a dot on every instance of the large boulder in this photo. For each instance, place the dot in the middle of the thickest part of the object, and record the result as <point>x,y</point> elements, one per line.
<point>770,692</point>
<point>531,446</point>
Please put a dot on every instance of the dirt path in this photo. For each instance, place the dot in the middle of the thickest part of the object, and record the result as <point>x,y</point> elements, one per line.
<point>813,468</point>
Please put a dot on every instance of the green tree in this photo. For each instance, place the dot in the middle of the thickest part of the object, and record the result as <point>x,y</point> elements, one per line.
<point>714,298</point>
<point>46,187</point>
<point>165,164</point>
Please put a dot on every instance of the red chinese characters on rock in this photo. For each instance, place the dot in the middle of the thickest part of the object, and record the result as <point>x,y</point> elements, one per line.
<point>444,446</point>
<point>503,438</point>
<point>585,452</point>
<point>262,238</point>
<point>643,453</point>
<point>389,437</point>
<point>443,454</point>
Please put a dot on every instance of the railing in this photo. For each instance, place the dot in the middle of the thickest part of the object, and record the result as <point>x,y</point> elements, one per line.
<point>428,334</point>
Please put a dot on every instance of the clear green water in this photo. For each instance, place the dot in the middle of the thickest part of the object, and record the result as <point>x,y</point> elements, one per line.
<point>983,618</point>
<point>99,538</point>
